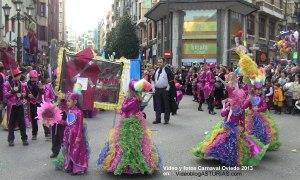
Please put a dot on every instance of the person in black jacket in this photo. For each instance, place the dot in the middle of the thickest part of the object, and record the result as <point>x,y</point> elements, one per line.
<point>165,92</point>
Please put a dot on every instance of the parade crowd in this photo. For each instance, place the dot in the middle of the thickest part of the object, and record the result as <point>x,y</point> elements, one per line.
<point>242,138</point>
<point>281,84</point>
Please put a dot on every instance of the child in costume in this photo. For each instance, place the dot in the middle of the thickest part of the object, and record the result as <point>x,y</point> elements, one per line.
<point>179,93</point>
<point>259,121</point>
<point>278,98</point>
<point>227,141</point>
<point>59,128</point>
<point>129,149</point>
<point>74,154</point>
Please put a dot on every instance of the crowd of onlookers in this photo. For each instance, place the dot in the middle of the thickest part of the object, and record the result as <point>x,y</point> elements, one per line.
<point>281,88</point>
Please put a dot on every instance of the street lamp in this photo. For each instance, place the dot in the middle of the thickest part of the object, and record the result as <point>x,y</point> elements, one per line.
<point>18,4</point>
<point>6,8</point>
<point>30,9</point>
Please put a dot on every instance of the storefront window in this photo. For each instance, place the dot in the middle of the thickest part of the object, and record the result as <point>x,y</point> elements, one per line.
<point>199,36</point>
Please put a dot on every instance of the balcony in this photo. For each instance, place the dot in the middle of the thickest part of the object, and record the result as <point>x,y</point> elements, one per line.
<point>270,9</point>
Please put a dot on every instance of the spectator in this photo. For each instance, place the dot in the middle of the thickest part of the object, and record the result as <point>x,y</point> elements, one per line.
<point>269,91</point>
<point>278,98</point>
<point>295,89</point>
<point>282,80</point>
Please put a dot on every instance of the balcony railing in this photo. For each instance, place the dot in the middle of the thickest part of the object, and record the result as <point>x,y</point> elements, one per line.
<point>271,7</point>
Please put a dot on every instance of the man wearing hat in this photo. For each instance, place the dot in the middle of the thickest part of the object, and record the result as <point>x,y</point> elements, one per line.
<point>15,92</point>
<point>35,93</point>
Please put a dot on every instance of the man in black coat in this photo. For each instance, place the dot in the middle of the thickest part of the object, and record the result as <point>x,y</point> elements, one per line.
<point>164,92</point>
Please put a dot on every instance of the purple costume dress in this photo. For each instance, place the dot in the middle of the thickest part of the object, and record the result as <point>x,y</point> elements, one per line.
<point>179,93</point>
<point>259,122</point>
<point>200,86</point>
<point>129,149</point>
<point>228,143</point>
<point>49,95</point>
<point>209,84</point>
<point>75,154</point>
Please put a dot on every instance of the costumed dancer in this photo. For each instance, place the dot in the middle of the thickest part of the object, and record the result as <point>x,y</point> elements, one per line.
<point>74,154</point>
<point>227,141</point>
<point>59,128</point>
<point>208,90</point>
<point>219,88</point>
<point>259,121</point>
<point>35,92</point>
<point>129,149</point>
<point>2,81</point>
<point>200,86</point>
<point>179,93</point>
<point>15,92</point>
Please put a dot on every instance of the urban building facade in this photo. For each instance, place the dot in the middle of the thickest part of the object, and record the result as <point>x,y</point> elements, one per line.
<point>9,23</point>
<point>204,31</point>
<point>53,19</point>
<point>198,31</point>
<point>262,28</point>
<point>62,33</point>
<point>42,23</point>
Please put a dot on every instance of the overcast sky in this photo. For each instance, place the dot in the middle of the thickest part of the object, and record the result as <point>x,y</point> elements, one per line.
<point>84,15</point>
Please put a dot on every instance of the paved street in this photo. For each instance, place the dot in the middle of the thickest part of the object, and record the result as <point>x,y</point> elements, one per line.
<point>174,141</point>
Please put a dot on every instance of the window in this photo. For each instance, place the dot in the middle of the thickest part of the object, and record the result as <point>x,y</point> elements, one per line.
<point>262,27</point>
<point>250,24</point>
<point>42,33</point>
<point>42,9</point>
<point>272,29</point>
<point>150,31</point>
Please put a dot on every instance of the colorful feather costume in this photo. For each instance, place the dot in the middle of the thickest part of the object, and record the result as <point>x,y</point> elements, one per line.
<point>129,149</point>
<point>227,141</point>
<point>260,123</point>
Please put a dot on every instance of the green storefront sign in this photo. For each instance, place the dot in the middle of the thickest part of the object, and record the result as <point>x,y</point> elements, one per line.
<point>200,48</point>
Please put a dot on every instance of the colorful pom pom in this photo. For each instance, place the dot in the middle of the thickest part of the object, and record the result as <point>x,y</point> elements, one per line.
<point>142,85</point>
<point>77,88</point>
<point>49,114</point>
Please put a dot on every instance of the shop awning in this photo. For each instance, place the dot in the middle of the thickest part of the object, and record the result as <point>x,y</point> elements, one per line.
<point>163,7</point>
